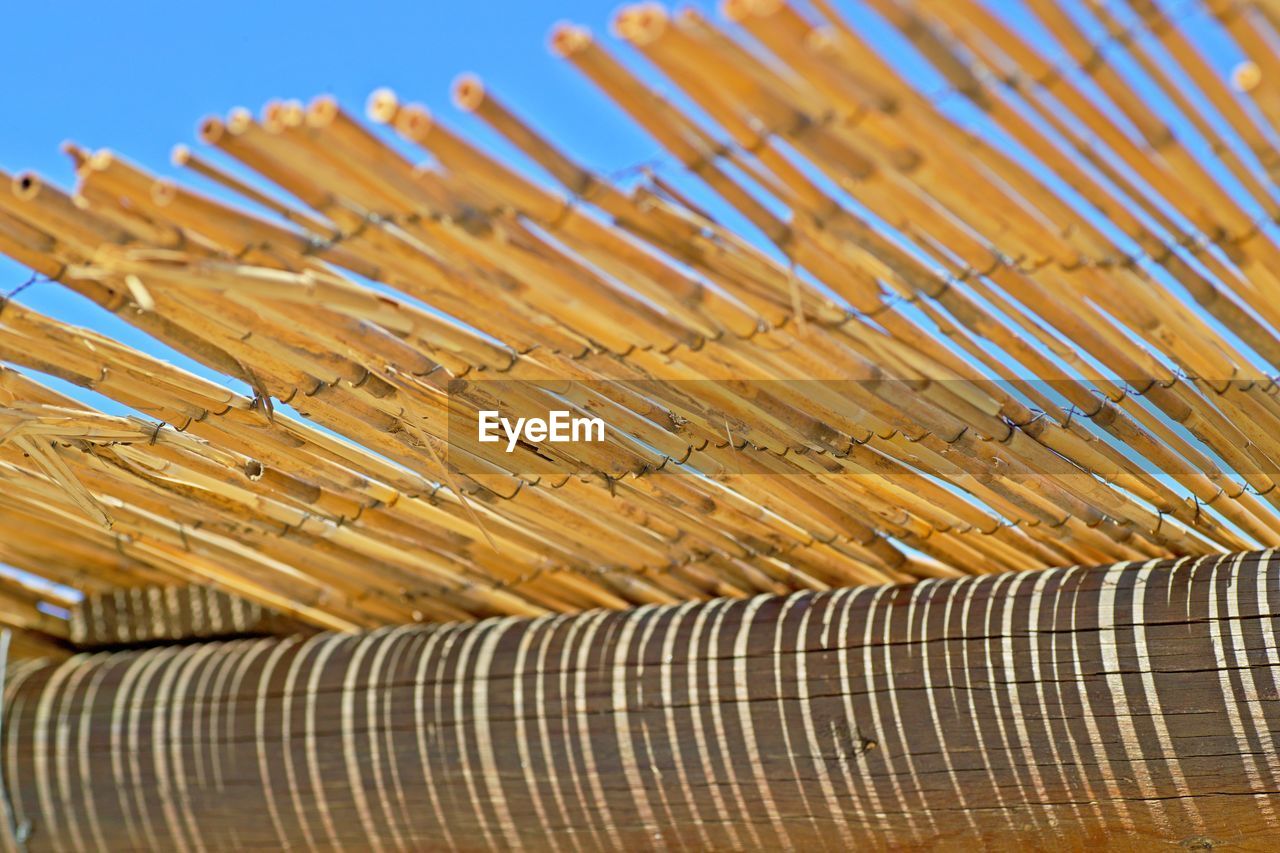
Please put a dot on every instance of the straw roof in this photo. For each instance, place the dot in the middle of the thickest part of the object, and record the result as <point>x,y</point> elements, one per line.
<point>849,335</point>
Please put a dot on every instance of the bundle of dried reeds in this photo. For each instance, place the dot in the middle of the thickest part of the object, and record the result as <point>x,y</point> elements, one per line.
<point>1050,342</point>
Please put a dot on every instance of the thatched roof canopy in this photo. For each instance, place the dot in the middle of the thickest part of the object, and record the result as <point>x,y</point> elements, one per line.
<point>844,337</point>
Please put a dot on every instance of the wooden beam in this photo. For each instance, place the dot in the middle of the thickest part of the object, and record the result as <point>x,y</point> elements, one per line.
<point>1125,705</point>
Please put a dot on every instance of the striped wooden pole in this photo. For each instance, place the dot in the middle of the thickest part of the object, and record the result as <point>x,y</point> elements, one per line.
<point>1064,708</point>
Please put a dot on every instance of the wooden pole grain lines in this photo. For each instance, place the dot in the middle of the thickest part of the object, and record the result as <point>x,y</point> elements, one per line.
<point>1127,704</point>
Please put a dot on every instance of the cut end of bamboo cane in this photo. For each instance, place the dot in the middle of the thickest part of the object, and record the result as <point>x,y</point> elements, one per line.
<point>180,155</point>
<point>736,11</point>
<point>621,25</point>
<point>382,106</point>
<point>413,121</point>
<point>269,117</point>
<point>322,111</point>
<point>1246,76</point>
<point>26,185</point>
<point>642,23</point>
<point>468,92</point>
<point>292,113</point>
<point>279,116</point>
<point>101,160</point>
<point>210,130</point>
<point>568,39</point>
<point>239,120</point>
